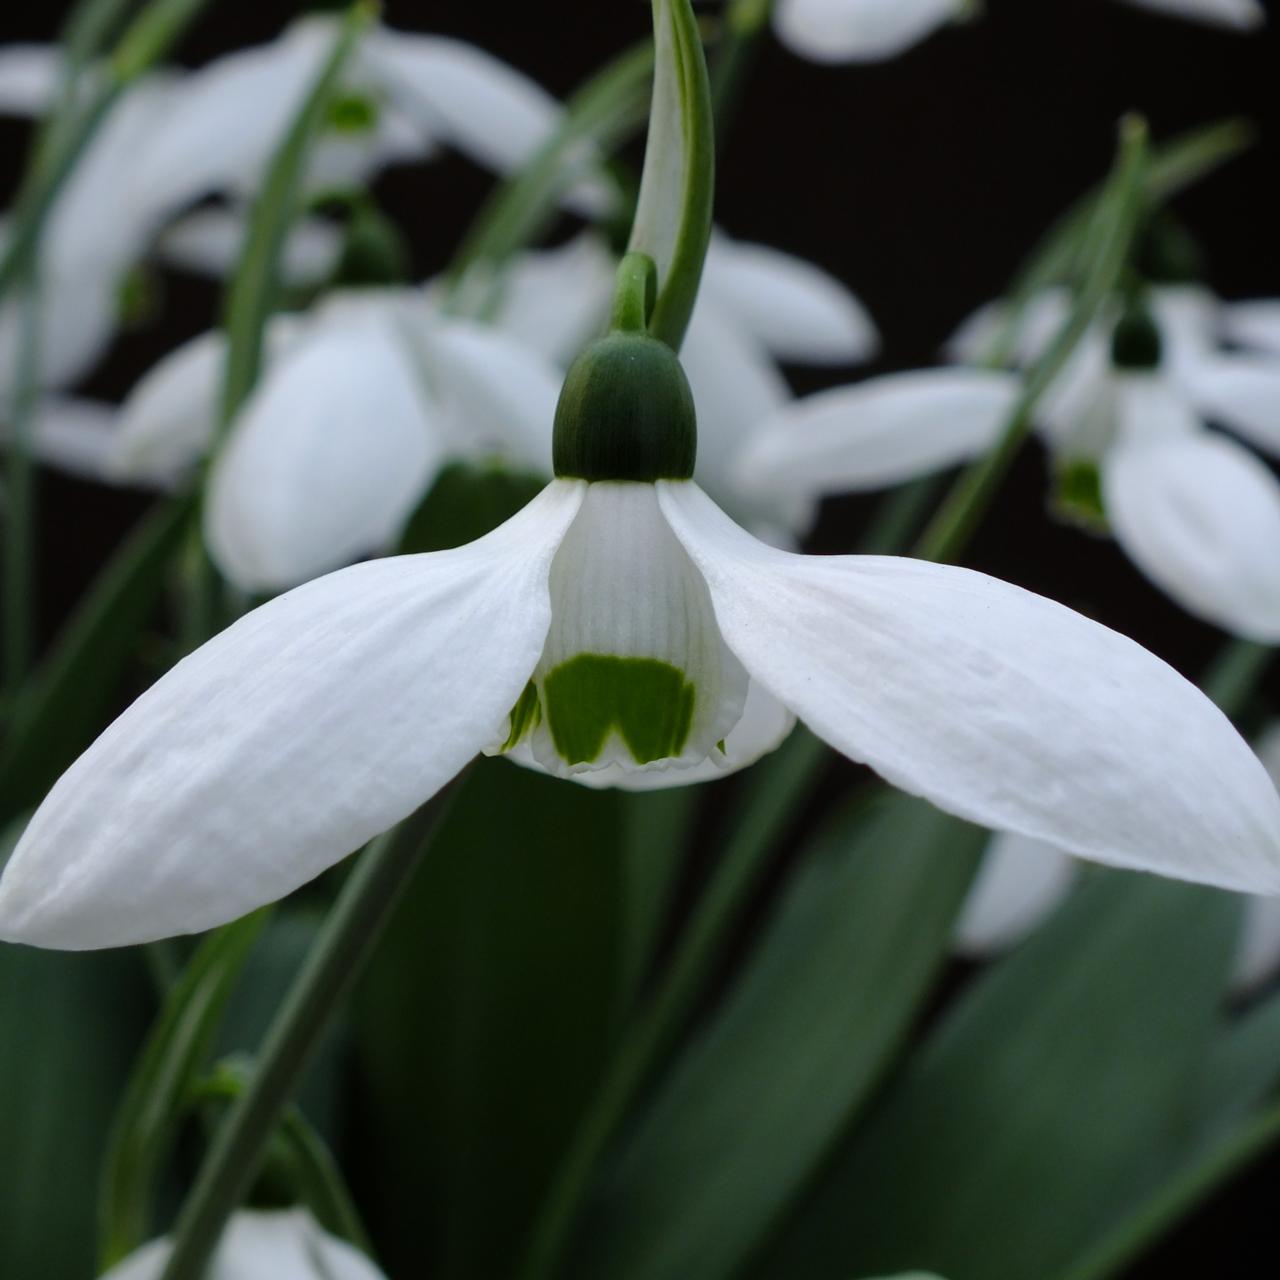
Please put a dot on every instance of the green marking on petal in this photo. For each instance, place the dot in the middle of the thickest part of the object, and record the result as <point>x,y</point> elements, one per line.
<point>1077,497</point>
<point>352,113</point>
<point>647,702</point>
<point>524,715</point>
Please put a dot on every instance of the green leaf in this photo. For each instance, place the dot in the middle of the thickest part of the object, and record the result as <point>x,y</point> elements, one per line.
<point>485,1018</point>
<point>761,1096</point>
<point>467,500</point>
<point>1055,1095</point>
<point>153,1106</point>
<point>677,186</point>
<point>69,1027</point>
<point>63,706</point>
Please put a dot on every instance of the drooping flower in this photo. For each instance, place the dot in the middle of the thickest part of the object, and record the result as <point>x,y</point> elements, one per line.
<point>622,625</point>
<point>365,399</point>
<point>871,30</point>
<point>1127,423</point>
<point>256,1245</point>
<point>176,139</point>
<point>1021,881</point>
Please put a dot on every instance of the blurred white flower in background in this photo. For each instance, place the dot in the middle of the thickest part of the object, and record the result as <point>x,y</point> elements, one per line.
<point>872,30</point>
<point>1021,881</point>
<point>273,1245</point>
<point>1197,511</point>
<point>178,138</point>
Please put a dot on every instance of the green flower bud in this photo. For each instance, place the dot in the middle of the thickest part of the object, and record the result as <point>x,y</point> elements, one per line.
<point>1135,341</point>
<point>625,413</point>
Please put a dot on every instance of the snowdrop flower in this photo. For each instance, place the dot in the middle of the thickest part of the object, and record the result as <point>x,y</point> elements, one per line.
<point>1022,881</point>
<point>872,30</point>
<point>622,625</point>
<point>1126,423</point>
<point>276,1245</point>
<point>91,239</point>
<point>404,97</point>
<point>181,138</point>
<point>364,401</point>
<point>757,307</point>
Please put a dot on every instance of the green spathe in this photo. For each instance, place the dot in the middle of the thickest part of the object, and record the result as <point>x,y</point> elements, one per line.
<point>648,703</point>
<point>625,413</point>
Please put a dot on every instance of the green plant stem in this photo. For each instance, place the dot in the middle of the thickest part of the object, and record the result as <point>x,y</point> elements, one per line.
<point>20,489</point>
<point>348,939</point>
<point>1117,220</point>
<point>1235,673</point>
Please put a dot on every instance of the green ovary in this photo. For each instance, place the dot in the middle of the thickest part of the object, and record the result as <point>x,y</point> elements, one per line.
<point>647,702</point>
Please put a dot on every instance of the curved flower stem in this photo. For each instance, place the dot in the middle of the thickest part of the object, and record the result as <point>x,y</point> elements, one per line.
<point>348,939</point>
<point>1117,220</point>
<point>677,185</point>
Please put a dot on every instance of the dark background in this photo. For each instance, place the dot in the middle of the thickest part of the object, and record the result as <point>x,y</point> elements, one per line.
<point>920,182</point>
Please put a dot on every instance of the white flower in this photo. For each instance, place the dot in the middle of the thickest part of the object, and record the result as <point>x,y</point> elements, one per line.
<point>623,628</point>
<point>871,30</point>
<point>1194,509</point>
<point>175,139</point>
<point>363,401</point>
<point>1021,881</point>
<point>276,1245</point>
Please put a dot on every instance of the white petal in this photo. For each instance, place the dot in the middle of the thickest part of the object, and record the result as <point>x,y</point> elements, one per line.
<point>878,433</point>
<point>556,300</point>
<point>272,1245</point>
<point>167,420</point>
<point>1200,516</point>
<point>30,77</point>
<point>500,396</point>
<point>76,436</point>
<point>996,704</point>
<point>796,309</point>
<point>976,335</point>
<point>735,385</point>
<point>858,30</point>
<point>77,322</point>
<point>1242,15</point>
<point>491,111</point>
<point>623,588</point>
<point>1019,884</point>
<point>764,725</point>
<point>1253,324</point>
<point>1258,954</point>
<point>209,242</point>
<point>1241,392</point>
<point>327,459</point>
<point>287,741</point>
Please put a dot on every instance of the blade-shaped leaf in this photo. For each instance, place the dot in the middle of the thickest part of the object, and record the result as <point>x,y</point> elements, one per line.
<point>762,1094</point>
<point>1062,1087</point>
<point>69,1028</point>
<point>485,1017</point>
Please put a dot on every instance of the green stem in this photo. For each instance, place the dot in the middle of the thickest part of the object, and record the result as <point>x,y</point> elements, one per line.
<point>349,937</point>
<point>20,488</point>
<point>598,118</point>
<point>633,294</point>
<point>1117,219</point>
<point>1235,673</point>
<point>677,186</point>
<point>316,1179</point>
